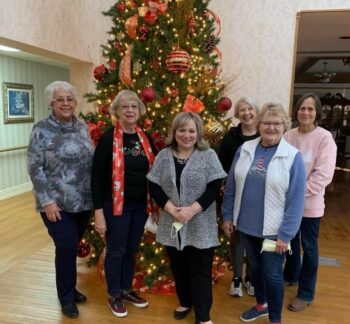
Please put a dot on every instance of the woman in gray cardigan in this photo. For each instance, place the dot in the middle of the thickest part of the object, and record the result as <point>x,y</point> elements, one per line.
<point>184,181</point>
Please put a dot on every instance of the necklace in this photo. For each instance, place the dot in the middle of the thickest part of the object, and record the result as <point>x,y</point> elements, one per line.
<point>182,161</point>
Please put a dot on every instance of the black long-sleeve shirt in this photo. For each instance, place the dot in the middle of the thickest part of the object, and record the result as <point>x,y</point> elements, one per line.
<point>205,200</point>
<point>135,169</point>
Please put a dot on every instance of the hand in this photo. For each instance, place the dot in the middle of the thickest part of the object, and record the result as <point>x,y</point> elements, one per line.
<point>281,247</point>
<point>185,214</point>
<point>52,212</point>
<point>228,228</point>
<point>100,222</point>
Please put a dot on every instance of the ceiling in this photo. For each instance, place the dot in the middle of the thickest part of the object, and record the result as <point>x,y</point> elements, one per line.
<point>35,58</point>
<point>319,43</point>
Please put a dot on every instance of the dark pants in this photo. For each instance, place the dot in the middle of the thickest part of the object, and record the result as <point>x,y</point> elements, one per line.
<point>267,275</point>
<point>191,268</point>
<point>305,272</point>
<point>237,256</point>
<point>123,237</point>
<point>66,235</point>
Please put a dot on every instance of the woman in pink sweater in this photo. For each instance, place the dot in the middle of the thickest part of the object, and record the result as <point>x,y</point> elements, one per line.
<point>319,153</point>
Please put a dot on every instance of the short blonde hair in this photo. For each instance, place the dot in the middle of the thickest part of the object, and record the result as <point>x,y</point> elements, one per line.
<point>126,94</point>
<point>180,120</point>
<point>55,86</point>
<point>249,101</point>
<point>274,109</point>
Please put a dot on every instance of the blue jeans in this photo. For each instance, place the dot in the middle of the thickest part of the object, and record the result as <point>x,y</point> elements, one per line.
<point>66,235</point>
<point>305,272</point>
<point>123,237</point>
<point>267,275</point>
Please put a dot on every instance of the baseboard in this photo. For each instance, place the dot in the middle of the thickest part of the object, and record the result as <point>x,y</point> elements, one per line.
<point>14,191</point>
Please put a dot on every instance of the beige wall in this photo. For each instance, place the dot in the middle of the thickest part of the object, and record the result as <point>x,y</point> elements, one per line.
<point>258,43</point>
<point>68,30</point>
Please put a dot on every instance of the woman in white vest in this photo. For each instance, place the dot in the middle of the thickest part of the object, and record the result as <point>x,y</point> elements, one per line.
<point>263,199</point>
<point>185,180</point>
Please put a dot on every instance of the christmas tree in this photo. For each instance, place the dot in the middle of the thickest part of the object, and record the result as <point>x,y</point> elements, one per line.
<point>165,50</point>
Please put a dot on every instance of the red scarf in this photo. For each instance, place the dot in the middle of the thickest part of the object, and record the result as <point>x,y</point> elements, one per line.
<point>118,167</point>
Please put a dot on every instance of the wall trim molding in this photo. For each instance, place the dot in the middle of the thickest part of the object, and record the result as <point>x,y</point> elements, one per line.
<point>14,191</point>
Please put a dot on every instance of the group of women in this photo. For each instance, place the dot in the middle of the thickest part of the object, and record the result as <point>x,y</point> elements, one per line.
<point>263,199</point>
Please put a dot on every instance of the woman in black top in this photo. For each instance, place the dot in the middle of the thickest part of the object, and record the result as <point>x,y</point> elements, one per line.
<point>122,159</point>
<point>245,110</point>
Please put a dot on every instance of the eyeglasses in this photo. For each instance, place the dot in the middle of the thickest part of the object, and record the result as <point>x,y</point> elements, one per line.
<point>132,107</point>
<point>273,124</point>
<point>62,100</point>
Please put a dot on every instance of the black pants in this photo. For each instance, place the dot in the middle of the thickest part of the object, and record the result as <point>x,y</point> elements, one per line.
<point>192,272</point>
<point>66,234</point>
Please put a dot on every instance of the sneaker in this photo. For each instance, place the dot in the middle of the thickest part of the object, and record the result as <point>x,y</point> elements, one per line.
<point>134,298</point>
<point>253,313</point>
<point>236,287</point>
<point>249,287</point>
<point>117,307</point>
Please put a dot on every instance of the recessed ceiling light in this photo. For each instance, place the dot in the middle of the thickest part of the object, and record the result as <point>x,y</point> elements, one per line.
<point>8,49</point>
<point>344,37</point>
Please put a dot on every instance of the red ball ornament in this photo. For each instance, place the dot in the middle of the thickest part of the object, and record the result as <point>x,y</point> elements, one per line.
<point>148,94</point>
<point>178,61</point>
<point>118,47</point>
<point>191,24</point>
<point>83,249</point>
<point>99,72</point>
<point>121,6</point>
<point>147,123</point>
<point>224,104</point>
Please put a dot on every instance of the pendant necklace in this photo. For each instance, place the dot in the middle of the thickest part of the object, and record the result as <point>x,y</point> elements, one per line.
<point>182,161</point>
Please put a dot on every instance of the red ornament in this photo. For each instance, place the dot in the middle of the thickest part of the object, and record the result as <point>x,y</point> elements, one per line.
<point>95,132</point>
<point>142,37</point>
<point>191,24</point>
<point>103,109</point>
<point>165,100</point>
<point>158,141</point>
<point>148,94</point>
<point>99,72</point>
<point>155,65</point>
<point>83,249</point>
<point>118,47</point>
<point>101,123</point>
<point>121,6</point>
<point>224,104</point>
<point>174,92</point>
<point>150,17</point>
<point>112,64</point>
<point>143,29</point>
<point>178,61</point>
<point>147,124</point>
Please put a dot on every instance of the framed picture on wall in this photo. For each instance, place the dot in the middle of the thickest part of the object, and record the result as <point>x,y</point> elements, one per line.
<point>18,100</point>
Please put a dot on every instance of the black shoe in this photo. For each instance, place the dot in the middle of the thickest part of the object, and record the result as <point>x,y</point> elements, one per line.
<point>70,310</point>
<point>179,315</point>
<point>79,298</point>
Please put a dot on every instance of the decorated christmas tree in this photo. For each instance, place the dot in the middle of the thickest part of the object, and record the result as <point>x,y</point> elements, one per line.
<point>165,50</point>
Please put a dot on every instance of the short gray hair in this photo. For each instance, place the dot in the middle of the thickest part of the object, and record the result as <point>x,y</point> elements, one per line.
<point>55,86</point>
<point>249,101</point>
<point>275,109</point>
<point>182,119</point>
<point>126,94</point>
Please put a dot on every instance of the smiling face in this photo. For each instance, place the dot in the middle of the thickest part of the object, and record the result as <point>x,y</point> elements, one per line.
<point>271,129</point>
<point>246,114</point>
<point>128,112</point>
<point>186,136</point>
<point>63,105</point>
<point>307,113</point>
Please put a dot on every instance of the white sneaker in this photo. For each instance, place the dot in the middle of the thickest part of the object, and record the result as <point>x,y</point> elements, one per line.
<point>250,288</point>
<point>236,288</point>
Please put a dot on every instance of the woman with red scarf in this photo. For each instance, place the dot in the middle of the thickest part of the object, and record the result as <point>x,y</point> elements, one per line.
<point>122,158</point>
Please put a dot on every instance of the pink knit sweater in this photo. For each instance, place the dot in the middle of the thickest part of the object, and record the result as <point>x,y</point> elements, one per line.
<point>319,153</point>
